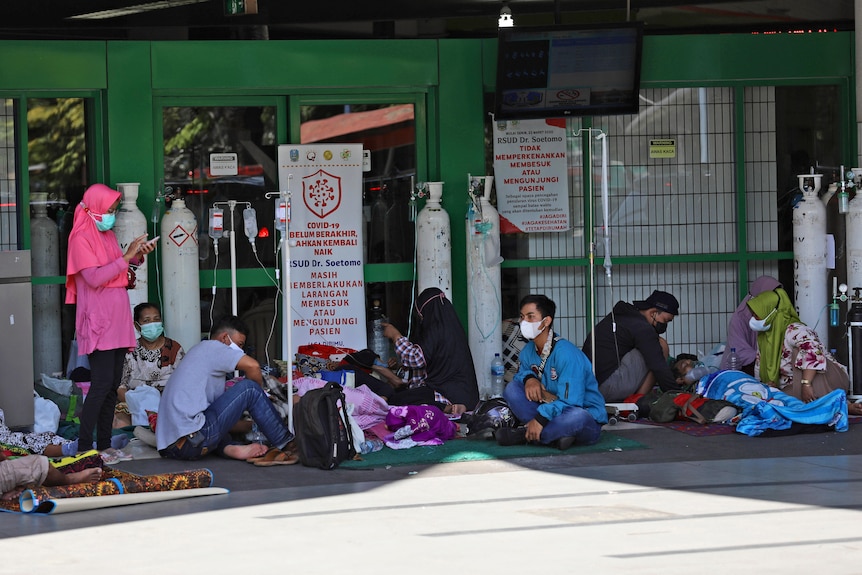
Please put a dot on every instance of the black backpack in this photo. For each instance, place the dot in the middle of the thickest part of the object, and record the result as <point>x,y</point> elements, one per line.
<point>323,436</point>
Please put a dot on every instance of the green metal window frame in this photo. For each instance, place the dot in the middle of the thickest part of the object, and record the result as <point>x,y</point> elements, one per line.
<point>741,256</point>
<point>94,103</point>
<point>393,272</point>
<point>245,277</point>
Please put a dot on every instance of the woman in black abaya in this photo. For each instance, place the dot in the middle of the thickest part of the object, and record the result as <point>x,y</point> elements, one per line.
<point>436,357</point>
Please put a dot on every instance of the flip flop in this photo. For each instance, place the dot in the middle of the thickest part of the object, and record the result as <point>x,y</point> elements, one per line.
<point>276,456</point>
<point>259,457</point>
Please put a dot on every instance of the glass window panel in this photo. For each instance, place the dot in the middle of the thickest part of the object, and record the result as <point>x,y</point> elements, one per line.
<point>58,168</point>
<point>191,134</point>
<point>389,132</point>
<point>8,182</point>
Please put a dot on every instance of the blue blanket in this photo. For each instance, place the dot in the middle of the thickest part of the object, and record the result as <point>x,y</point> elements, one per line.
<point>766,407</point>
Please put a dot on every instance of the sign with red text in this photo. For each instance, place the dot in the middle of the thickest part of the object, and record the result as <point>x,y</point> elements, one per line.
<point>531,175</point>
<point>325,277</point>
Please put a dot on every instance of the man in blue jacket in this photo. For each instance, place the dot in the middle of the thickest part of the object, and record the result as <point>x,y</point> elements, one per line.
<point>630,354</point>
<point>554,391</point>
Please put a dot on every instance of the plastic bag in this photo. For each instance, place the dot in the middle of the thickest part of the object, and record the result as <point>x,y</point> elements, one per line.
<point>76,360</point>
<point>61,386</point>
<point>140,400</point>
<point>46,414</point>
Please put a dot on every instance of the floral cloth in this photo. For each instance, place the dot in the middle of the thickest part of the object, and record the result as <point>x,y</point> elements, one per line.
<point>811,354</point>
<point>32,442</point>
<point>151,367</point>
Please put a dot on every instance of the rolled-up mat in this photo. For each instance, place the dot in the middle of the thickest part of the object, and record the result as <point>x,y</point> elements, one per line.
<point>114,482</point>
<point>29,504</point>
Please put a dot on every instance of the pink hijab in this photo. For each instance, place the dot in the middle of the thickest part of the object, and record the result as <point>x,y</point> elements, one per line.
<point>88,247</point>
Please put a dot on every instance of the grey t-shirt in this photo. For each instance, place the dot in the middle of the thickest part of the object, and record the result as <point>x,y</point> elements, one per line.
<point>195,384</point>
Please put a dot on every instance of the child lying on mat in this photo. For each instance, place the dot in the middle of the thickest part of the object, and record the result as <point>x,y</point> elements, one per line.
<point>16,474</point>
<point>766,409</point>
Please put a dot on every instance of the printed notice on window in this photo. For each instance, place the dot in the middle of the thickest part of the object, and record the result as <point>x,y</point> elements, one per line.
<point>531,175</point>
<point>326,276</point>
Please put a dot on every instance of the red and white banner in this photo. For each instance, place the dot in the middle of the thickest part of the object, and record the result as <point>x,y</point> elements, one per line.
<point>326,281</point>
<point>531,175</point>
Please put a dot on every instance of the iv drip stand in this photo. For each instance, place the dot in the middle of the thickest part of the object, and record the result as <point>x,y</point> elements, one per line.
<point>286,343</point>
<point>589,236</point>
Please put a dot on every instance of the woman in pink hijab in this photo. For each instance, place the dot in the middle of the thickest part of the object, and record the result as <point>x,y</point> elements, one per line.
<point>96,280</point>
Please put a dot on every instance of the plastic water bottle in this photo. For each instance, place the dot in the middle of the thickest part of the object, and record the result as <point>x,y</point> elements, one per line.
<point>378,342</point>
<point>256,435</point>
<point>370,445</point>
<point>497,372</point>
<point>734,359</point>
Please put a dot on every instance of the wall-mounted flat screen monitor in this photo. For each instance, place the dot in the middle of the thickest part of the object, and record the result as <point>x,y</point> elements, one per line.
<point>559,71</point>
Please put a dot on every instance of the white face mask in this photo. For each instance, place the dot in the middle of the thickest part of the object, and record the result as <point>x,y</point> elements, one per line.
<point>234,345</point>
<point>758,324</point>
<point>531,330</point>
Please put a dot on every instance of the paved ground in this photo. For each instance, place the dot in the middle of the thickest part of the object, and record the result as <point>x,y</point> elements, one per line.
<point>685,504</point>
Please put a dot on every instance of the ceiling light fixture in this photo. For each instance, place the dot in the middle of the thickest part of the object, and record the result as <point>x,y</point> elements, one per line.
<point>505,20</point>
<point>136,9</point>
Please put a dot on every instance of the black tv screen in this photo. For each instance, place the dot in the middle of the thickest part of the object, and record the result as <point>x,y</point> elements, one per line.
<point>552,72</point>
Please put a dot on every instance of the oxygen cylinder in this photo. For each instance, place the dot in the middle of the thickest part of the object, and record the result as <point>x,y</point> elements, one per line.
<point>484,310</point>
<point>434,244</point>
<point>181,285</point>
<point>131,223</point>
<point>45,249</point>
<point>854,241</point>
<point>378,343</point>
<point>809,259</point>
<point>854,333</point>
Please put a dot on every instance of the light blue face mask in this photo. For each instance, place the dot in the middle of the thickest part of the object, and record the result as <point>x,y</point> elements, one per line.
<point>233,345</point>
<point>152,331</point>
<point>107,222</point>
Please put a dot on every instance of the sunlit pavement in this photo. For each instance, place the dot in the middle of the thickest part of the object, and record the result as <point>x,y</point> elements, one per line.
<point>662,510</point>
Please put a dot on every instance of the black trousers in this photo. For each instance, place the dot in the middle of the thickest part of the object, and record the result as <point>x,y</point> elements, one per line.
<point>106,369</point>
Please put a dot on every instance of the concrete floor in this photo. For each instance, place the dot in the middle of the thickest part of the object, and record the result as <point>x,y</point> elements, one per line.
<point>686,504</point>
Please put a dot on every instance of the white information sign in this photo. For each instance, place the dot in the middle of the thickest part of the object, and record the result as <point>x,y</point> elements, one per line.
<point>325,278</point>
<point>531,175</point>
<point>223,164</point>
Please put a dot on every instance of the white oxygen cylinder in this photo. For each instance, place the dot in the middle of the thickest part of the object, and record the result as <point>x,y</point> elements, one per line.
<point>45,251</point>
<point>810,276</point>
<point>854,241</point>
<point>131,223</point>
<point>484,309</point>
<point>434,244</point>
<point>180,281</point>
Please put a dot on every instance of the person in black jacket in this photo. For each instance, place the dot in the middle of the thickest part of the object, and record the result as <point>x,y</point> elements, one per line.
<point>630,354</point>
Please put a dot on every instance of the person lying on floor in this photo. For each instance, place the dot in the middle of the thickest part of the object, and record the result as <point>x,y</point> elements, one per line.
<point>197,412</point>
<point>554,391</point>
<point>18,473</point>
<point>767,410</point>
<point>44,443</point>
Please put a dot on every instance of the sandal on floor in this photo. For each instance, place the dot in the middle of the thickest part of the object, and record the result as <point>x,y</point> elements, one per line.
<point>109,458</point>
<point>260,457</point>
<point>274,457</point>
